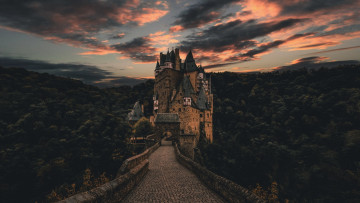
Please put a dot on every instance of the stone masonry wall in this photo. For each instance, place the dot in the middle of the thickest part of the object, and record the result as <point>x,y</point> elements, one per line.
<point>229,190</point>
<point>130,174</point>
<point>164,82</point>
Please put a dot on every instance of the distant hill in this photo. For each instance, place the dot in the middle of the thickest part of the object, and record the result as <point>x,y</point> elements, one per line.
<point>53,128</point>
<point>296,129</point>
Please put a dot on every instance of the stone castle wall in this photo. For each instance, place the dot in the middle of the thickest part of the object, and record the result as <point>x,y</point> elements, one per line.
<point>164,83</point>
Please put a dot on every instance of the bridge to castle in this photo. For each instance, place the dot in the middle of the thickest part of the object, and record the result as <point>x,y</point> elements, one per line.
<point>162,174</point>
<point>169,181</point>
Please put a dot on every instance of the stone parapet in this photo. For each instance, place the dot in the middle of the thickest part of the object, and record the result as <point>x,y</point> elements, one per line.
<point>130,174</point>
<point>229,190</point>
<point>114,190</point>
<point>135,160</point>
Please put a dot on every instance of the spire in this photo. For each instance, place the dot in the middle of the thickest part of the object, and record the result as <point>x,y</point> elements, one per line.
<point>190,65</point>
<point>189,57</point>
<point>201,69</point>
<point>157,65</point>
<point>136,113</point>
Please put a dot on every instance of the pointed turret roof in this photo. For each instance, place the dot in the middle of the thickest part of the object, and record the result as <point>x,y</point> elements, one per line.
<point>187,87</point>
<point>202,100</point>
<point>189,57</point>
<point>157,65</point>
<point>190,65</point>
<point>136,113</point>
<point>201,69</point>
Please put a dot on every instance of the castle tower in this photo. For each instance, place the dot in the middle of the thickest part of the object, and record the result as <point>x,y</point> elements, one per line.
<point>183,89</point>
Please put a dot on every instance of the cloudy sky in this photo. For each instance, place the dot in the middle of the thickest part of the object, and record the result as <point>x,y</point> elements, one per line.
<point>109,42</point>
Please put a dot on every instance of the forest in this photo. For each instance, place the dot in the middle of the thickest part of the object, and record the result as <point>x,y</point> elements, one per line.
<point>293,134</point>
<point>287,136</point>
<point>59,136</point>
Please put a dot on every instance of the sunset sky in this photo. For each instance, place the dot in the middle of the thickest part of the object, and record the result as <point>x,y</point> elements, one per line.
<point>113,42</point>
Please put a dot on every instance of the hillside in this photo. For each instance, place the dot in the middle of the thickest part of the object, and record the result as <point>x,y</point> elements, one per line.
<point>298,130</point>
<point>295,132</point>
<point>54,130</point>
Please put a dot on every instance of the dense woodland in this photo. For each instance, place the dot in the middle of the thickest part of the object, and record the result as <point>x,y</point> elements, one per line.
<point>59,134</point>
<point>296,133</point>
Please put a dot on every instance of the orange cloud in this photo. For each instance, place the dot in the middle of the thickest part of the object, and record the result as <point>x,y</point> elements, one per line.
<point>262,8</point>
<point>161,38</point>
<point>316,59</point>
<point>149,15</point>
<point>98,52</point>
<point>176,28</point>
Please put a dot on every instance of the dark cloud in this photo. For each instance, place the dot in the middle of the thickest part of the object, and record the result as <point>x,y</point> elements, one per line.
<point>249,55</point>
<point>138,49</point>
<point>312,6</point>
<point>235,33</point>
<point>74,22</point>
<point>202,13</point>
<point>219,65</point>
<point>315,62</point>
<point>87,73</point>
<point>118,36</point>
<point>318,45</point>
<point>341,30</point>
<point>333,50</point>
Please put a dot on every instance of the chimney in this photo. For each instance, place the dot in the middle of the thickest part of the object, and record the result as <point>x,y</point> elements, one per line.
<point>142,108</point>
<point>177,59</point>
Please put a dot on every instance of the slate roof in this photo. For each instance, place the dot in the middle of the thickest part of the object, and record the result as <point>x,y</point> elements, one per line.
<point>187,87</point>
<point>189,57</point>
<point>189,64</point>
<point>167,118</point>
<point>136,113</point>
<point>157,66</point>
<point>201,101</point>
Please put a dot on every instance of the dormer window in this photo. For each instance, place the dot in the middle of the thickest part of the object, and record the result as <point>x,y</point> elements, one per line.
<point>201,75</point>
<point>187,101</point>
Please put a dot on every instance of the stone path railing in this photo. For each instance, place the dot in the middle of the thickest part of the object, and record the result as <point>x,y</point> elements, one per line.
<point>130,174</point>
<point>229,190</point>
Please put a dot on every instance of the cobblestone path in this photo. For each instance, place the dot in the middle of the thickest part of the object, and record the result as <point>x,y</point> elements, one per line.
<point>169,181</point>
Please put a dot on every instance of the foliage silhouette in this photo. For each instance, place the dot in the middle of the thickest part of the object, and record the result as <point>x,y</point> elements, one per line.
<point>53,128</point>
<point>299,129</point>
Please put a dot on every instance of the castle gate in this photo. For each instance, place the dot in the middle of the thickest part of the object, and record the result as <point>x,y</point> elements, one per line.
<point>167,122</point>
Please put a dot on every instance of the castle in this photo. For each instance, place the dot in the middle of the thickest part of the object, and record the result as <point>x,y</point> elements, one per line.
<point>183,102</point>
<point>183,88</point>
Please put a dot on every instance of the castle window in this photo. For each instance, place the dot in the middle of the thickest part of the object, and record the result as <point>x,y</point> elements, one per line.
<point>208,125</point>
<point>200,115</point>
<point>208,115</point>
<point>187,101</point>
<point>179,109</point>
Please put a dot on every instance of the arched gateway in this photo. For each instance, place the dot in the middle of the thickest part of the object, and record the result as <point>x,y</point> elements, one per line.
<point>167,122</point>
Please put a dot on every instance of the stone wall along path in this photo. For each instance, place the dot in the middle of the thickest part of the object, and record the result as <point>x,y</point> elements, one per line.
<point>169,181</point>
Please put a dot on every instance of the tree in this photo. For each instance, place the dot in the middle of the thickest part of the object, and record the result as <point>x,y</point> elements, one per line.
<point>143,127</point>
